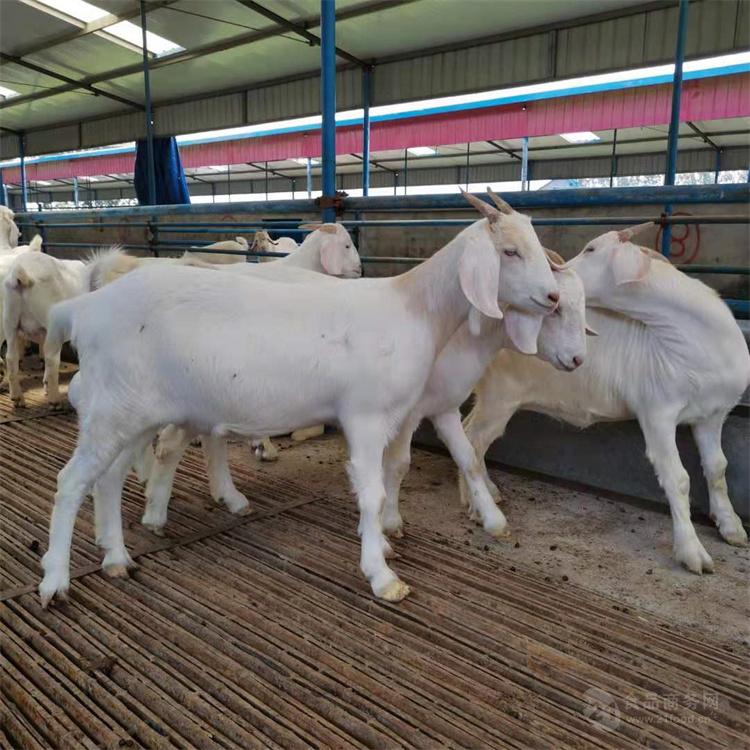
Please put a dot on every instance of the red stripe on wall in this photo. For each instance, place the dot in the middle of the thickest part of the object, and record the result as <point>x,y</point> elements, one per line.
<point>704,99</point>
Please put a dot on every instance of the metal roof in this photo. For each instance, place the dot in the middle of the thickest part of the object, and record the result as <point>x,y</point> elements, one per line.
<point>247,62</point>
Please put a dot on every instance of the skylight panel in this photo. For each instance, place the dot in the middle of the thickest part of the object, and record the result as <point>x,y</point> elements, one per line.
<point>124,30</point>
<point>78,9</point>
<point>6,93</point>
<point>422,151</point>
<point>133,34</point>
<point>582,137</point>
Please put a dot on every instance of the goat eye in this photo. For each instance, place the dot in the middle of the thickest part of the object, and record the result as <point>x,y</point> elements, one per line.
<point>589,249</point>
<point>511,253</point>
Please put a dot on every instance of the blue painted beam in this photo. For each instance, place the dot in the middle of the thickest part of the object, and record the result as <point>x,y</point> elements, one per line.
<point>328,102</point>
<point>674,122</point>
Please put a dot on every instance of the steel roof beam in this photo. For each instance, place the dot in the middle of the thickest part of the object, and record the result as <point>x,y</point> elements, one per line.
<point>91,28</point>
<point>264,169</point>
<point>504,150</point>
<point>297,29</point>
<point>15,60</point>
<point>198,52</point>
<point>378,164</point>
<point>703,136</point>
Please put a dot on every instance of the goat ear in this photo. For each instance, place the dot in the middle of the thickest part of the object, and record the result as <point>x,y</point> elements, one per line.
<point>331,258</point>
<point>489,212</point>
<point>523,330</point>
<point>328,228</point>
<point>590,331</point>
<point>475,322</point>
<point>555,260</point>
<point>626,235</point>
<point>479,277</point>
<point>310,227</point>
<point>630,264</point>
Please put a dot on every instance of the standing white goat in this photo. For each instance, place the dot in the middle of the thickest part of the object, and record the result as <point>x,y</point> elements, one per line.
<point>9,233</point>
<point>32,285</point>
<point>562,342</point>
<point>7,257</point>
<point>669,352</point>
<point>159,347</point>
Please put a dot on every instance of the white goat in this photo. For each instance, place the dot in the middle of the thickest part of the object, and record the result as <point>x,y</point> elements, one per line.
<point>669,352</point>
<point>9,233</point>
<point>6,261</point>
<point>239,244</point>
<point>263,243</point>
<point>562,342</point>
<point>33,283</point>
<point>353,354</point>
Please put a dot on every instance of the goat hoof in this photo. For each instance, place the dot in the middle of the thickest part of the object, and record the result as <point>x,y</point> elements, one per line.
<point>54,585</point>
<point>117,570</point>
<point>395,591</point>
<point>154,529</point>
<point>19,402</point>
<point>733,532</point>
<point>500,531</point>
<point>695,558</point>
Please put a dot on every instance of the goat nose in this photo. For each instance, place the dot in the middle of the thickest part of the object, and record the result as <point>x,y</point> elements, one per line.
<point>577,361</point>
<point>553,297</point>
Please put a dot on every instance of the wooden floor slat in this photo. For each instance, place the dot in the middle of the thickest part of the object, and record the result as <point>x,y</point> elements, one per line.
<point>262,633</point>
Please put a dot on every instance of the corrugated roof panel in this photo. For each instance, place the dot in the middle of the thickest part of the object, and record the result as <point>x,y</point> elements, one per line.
<point>301,98</point>
<point>484,67</point>
<point>120,129</point>
<point>742,27</point>
<point>220,112</point>
<point>600,46</point>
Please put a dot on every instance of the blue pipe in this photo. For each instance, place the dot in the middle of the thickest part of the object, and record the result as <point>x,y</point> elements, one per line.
<point>328,102</point>
<point>24,182</point>
<point>674,121</point>
<point>739,307</point>
<point>149,116</point>
<point>589,197</point>
<point>366,100</point>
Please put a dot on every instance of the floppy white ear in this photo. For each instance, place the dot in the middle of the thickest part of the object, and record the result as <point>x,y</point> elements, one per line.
<point>479,277</point>
<point>475,322</point>
<point>522,329</point>
<point>630,263</point>
<point>330,257</point>
<point>12,229</point>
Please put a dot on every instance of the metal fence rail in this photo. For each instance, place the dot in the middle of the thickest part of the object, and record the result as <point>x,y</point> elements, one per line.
<point>163,225</point>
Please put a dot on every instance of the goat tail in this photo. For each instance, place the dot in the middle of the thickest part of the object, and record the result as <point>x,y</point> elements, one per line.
<point>108,264</point>
<point>35,245</point>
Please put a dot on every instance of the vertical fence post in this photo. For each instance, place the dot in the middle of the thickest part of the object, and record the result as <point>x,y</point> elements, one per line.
<point>308,172</point>
<point>366,99</point>
<point>24,183</point>
<point>613,162</point>
<point>149,117</point>
<point>153,235</point>
<point>75,192</point>
<point>525,163</point>
<point>468,164</point>
<point>717,166</point>
<point>328,103</point>
<point>674,121</point>
<point>406,171</point>
<point>3,194</point>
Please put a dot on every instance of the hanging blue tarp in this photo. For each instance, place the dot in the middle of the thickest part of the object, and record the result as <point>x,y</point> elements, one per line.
<point>171,186</point>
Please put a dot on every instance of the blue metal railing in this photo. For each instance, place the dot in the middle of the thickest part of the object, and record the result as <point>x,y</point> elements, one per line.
<point>163,225</point>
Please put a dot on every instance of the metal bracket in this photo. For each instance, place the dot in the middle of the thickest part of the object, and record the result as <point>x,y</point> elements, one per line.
<point>335,201</point>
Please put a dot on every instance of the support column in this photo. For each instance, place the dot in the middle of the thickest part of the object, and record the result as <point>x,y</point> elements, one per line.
<point>366,99</point>
<point>328,102</point>
<point>149,117</point>
<point>613,162</point>
<point>309,177</point>
<point>525,163</point>
<point>75,192</point>
<point>674,122</point>
<point>24,182</point>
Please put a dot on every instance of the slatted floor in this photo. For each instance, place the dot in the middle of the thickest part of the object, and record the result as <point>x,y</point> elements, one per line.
<point>264,635</point>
